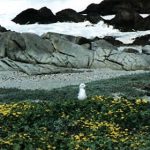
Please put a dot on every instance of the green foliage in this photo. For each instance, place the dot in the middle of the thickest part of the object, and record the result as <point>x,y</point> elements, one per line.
<point>97,123</point>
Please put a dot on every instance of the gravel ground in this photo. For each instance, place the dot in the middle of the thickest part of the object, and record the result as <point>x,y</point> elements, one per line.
<point>13,79</point>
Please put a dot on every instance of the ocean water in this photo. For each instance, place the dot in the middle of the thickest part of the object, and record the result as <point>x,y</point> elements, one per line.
<point>10,8</point>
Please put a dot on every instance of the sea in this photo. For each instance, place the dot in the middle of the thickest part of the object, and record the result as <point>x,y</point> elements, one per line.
<point>10,8</point>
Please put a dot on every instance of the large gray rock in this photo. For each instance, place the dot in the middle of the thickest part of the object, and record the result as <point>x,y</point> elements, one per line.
<point>130,61</point>
<point>73,39</point>
<point>107,56</point>
<point>25,47</point>
<point>146,49</point>
<point>55,53</point>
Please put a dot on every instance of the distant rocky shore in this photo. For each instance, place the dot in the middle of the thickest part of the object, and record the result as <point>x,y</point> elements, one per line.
<point>127,14</point>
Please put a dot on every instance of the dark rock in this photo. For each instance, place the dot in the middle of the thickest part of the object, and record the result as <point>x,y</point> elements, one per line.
<point>126,20</point>
<point>147,23</point>
<point>144,6</point>
<point>147,19</point>
<point>69,15</point>
<point>94,18</point>
<point>31,16</point>
<point>92,8</point>
<point>130,50</point>
<point>46,16</point>
<point>144,24</point>
<point>109,7</point>
<point>127,14</point>
<point>28,16</point>
<point>2,29</point>
<point>142,40</point>
<point>113,41</point>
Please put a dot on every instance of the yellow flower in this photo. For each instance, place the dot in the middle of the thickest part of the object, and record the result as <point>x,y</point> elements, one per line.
<point>122,117</point>
<point>51,147</point>
<point>77,146</point>
<point>138,101</point>
<point>98,98</point>
<point>141,101</point>
<point>110,112</point>
<point>77,137</point>
<point>145,101</point>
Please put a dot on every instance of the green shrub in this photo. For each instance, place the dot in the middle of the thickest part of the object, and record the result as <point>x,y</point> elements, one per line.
<point>97,123</point>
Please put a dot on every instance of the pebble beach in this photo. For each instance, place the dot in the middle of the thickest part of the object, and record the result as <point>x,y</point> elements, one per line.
<point>19,80</point>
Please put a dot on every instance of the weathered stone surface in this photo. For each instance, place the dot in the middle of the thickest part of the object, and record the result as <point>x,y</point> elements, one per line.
<point>73,39</point>
<point>131,61</point>
<point>25,47</point>
<point>54,53</point>
<point>146,49</point>
<point>130,50</point>
<point>31,69</point>
<point>102,44</point>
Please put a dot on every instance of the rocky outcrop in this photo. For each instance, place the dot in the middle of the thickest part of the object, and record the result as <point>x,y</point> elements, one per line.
<point>3,29</point>
<point>128,20</point>
<point>146,49</point>
<point>28,16</point>
<point>69,15</point>
<point>130,50</point>
<point>109,7</point>
<point>113,41</point>
<point>31,16</point>
<point>46,16</point>
<point>53,53</point>
<point>127,13</point>
<point>94,18</point>
<point>146,25</point>
<point>92,8</point>
<point>142,40</point>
